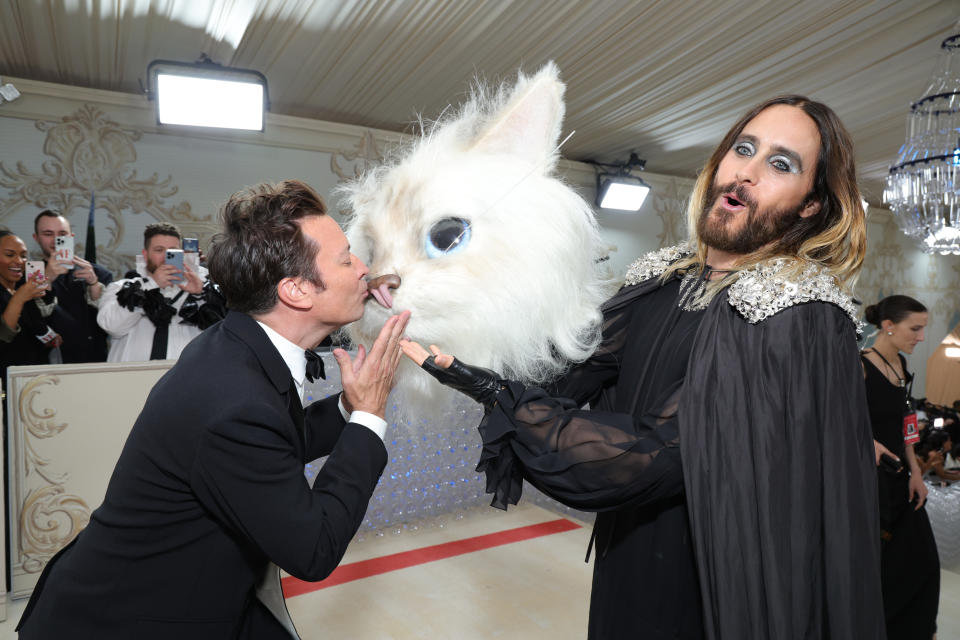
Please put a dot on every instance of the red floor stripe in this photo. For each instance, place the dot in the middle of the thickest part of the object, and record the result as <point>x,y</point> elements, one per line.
<point>384,564</point>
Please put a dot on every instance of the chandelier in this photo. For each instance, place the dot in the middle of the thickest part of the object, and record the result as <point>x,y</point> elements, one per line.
<point>923,186</point>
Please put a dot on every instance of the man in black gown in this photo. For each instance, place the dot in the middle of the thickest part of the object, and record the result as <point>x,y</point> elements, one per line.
<point>737,354</point>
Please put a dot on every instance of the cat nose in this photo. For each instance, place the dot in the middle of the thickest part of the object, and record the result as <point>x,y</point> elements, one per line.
<point>380,286</point>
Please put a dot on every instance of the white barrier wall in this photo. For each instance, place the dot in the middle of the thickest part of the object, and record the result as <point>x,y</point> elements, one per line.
<point>67,427</point>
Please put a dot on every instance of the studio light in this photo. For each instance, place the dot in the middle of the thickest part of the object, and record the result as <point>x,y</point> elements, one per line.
<point>8,92</point>
<point>619,188</point>
<point>206,94</point>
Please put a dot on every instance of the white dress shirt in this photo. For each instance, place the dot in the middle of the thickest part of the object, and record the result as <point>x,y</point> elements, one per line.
<point>296,361</point>
<point>131,332</point>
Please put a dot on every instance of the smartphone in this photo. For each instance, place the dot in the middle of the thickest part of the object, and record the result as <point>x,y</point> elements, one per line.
<point>191,251</point>
<point>63,246</point>
<point>36,270</point>
<point>175,257</point>
<point>890,463</point>
<point>938,423</point>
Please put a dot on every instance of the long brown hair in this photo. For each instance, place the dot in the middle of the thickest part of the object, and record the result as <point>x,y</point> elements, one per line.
<point>835,237</point>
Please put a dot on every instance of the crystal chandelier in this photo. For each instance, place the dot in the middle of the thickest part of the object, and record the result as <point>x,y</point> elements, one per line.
<point>923,186</point>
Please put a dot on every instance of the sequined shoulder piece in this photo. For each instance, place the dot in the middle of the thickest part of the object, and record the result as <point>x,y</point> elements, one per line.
<point>655,263</point>
<point>765,290</point>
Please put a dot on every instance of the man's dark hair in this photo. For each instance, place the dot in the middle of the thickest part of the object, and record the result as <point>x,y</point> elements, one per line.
<point>46,213</point>
<point>159,229</point>
<point>261,243</point>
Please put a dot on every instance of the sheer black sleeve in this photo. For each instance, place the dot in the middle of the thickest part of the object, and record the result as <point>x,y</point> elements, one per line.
<point>584,382</point>
<point>589,460</point>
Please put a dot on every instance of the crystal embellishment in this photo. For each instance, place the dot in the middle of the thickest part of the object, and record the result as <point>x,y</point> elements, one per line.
<point>764,290</point>
<point>655,263</point>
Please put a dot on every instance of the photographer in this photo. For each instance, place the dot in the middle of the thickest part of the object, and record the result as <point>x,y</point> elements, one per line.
<point>25,337</point>
<point>933,451</point>
<point>155,315</point>
<point>76,288</point>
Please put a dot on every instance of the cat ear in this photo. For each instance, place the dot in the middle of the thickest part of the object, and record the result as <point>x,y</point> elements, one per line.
<point>528,123</point>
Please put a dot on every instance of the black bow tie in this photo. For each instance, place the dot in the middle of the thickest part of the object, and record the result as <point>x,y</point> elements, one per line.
<point>314,365</point>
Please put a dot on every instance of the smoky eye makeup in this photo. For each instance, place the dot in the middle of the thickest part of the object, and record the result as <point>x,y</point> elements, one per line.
<point>744,148</point>
<point>784,164</point>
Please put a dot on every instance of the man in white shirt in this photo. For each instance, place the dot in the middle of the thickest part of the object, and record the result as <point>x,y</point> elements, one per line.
<point>209,495</point>
<point>154,315</point>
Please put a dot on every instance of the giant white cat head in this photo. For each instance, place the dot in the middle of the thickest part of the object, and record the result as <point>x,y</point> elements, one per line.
<point>497,256</point>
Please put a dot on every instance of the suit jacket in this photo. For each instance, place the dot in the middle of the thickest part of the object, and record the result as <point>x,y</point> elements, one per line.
<point>75,320</point>
<point>208,488</point>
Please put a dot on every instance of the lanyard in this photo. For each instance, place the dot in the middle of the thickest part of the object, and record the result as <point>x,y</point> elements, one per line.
<point>903,382</point>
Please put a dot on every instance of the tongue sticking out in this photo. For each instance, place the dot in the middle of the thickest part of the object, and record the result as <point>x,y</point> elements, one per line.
<point>380,286</point>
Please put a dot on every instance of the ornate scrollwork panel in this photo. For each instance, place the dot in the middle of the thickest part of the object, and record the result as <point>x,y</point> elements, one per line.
<point>50,518</point>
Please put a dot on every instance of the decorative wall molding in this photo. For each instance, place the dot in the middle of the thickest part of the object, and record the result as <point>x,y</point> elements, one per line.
<point>91,154</point>
<point>670,205</point>
<point>62,450</point>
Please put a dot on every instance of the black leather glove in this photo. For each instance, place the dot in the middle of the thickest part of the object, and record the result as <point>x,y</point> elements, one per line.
<point>480,384</point>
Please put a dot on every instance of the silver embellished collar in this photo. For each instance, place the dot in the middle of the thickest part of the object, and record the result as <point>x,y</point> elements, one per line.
<point>655,263</point>
<point>764,290</point>
<point>758,292</point>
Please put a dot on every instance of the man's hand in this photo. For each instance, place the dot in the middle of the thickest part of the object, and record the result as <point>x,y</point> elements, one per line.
<point>54,269</point>
<point>480,384</point>
<point>367,380</point>
<point>418,354</point>
<point>193,284</point>
<point>165,274</point>
<point>84,271</point>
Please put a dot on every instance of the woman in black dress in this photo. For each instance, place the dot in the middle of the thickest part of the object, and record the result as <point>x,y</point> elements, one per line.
<point>25,337</point>
<point>910,567</point>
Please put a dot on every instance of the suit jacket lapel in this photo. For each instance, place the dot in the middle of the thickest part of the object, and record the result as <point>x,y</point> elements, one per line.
<point>248,331</point>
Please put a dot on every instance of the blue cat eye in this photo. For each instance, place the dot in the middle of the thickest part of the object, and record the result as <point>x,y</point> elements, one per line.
<point>447,236</point>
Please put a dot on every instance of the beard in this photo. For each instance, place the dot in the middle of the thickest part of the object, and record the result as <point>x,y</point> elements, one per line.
<point>762,226</point>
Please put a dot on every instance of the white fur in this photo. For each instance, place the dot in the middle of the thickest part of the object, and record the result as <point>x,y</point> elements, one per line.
<point>523,296</point>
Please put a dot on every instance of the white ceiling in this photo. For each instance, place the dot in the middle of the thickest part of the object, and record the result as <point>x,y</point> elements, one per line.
<point>664,78</point>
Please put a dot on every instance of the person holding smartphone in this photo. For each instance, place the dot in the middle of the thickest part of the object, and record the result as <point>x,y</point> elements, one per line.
<point>76,286</point>
<point>25,337</point>
<point>156,313</point>
<point>909,564</point>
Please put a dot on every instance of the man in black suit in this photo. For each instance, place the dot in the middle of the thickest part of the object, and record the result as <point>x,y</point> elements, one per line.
<point>77,288</point>
<point>209,489</point>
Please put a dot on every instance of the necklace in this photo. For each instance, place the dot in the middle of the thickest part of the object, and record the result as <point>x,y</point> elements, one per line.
<point>901,379</point>
<point>693,288</point>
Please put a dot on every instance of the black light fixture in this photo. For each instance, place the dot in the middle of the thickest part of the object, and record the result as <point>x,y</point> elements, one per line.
<point>207,94</point>
<point>618,188</point>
